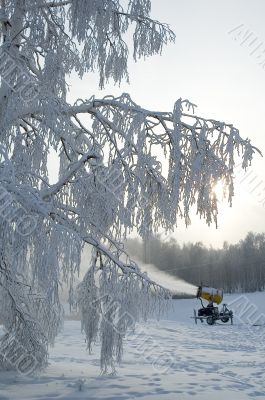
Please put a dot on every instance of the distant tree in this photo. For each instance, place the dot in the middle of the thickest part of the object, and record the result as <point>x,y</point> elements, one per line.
<point>110,177</point>
<point>235,268</point>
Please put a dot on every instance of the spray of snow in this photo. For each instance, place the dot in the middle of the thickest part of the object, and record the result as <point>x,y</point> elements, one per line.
<point>170,282</point>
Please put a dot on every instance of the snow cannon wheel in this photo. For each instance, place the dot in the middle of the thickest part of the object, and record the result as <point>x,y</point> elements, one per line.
<point>225,319</point>
<point>210,320</point>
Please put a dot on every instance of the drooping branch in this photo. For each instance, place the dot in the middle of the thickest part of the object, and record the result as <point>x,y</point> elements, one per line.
<point>64,180</point>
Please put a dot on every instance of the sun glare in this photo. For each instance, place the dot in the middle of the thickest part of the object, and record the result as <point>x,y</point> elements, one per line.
<point>219,191</point>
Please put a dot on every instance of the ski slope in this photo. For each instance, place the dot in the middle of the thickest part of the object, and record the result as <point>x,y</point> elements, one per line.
<point>166,360</point>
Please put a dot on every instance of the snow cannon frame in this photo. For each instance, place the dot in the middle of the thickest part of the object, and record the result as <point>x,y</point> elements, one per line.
<point>211,315</point>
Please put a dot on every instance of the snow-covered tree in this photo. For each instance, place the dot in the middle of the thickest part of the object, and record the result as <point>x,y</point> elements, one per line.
<point>122,167</point>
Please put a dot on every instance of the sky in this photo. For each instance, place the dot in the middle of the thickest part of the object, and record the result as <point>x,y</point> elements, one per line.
<point>211,65</point>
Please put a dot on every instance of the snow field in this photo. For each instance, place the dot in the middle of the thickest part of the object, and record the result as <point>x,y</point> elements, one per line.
<point>165,360</point>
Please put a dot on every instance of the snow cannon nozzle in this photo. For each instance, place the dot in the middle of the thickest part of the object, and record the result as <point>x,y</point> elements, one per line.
<point>210,294</point>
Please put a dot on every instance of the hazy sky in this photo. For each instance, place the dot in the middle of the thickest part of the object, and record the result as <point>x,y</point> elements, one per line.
<point>218,73</point>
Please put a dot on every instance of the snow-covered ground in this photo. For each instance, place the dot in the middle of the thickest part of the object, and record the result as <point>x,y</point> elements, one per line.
<point>171,359</point>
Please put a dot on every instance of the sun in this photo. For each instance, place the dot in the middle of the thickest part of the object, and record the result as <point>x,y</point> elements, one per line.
<point>219,190</point>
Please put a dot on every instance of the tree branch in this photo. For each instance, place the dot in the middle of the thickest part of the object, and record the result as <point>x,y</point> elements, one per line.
<point>75,167</point>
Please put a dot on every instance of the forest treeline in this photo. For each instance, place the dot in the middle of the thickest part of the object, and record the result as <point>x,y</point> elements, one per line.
<point>235,268</point>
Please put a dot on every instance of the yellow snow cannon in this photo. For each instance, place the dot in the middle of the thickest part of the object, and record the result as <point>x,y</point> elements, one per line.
<point>211,313</point>
<point>210,294</point>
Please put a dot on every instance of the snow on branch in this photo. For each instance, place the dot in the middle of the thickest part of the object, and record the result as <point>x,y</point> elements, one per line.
<point>52,30</point>
<point>195,153</point>
<point>30,321</point>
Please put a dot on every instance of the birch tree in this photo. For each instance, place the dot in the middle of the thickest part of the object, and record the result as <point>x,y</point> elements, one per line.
<point>122,168</point>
